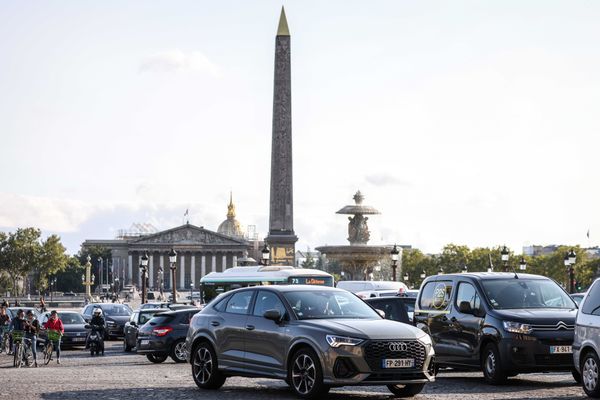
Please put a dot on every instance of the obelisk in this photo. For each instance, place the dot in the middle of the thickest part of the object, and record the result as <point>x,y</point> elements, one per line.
<point>281,238</point>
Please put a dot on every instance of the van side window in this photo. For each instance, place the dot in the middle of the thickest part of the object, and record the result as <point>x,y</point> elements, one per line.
<point>436,295</point>
<point>466,292</point>
<point>592,301</point>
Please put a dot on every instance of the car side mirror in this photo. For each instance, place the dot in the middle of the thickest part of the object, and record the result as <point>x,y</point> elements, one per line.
<point>273,315</point>
<point>465,308</point>
<point>380,312</point>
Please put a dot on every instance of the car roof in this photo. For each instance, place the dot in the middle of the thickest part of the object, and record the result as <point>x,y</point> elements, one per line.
<point>292,288</point>
<point>484,276</point>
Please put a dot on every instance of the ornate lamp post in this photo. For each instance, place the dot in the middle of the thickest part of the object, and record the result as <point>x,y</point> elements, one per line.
<point>266,255</point>
<point>88,278</point>
<point>570,259</point>
<point>173,266</point>
<point>143,268</point>
<point>395,255</point>
<point>504,255</point>
<point>523,264</point>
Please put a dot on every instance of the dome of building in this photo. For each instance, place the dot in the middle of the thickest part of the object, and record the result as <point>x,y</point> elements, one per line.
<point>231,226</point>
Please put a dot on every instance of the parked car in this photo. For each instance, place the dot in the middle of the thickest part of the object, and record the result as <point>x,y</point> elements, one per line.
<point>164,335</point>
<point>12,311</point>
<point>69,294</point>
<point>313,337</point>
<point>501,323</point>
<point>396,308</point>
<point>137,319</point>
<point>586,344</point>
<point>577,297</point>
<point>170,306</point>
<point>74,324</point>
<point>115,316</point>
<point>371,286</point>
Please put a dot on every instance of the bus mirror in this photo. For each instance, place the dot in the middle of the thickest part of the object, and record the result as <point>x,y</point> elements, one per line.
<point>273,315</point>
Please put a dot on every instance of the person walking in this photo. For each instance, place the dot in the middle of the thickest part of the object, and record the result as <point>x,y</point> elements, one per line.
<point>54,323</point>
<point>43,308</point>
<point>32,330</point>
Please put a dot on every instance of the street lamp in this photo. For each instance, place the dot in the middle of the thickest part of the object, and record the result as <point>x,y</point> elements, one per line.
<point>100,272</point>
<point>265,255</point>
<point>173,266</point>
<point>504,255</point>
<point>143,268</point>
<point>395,255</point>
<point>523,264</point>
<point>465,269</point>
<point>191,293</point>
<point>570,259</point>
<point>441,271</point>
<point>406,277</point>
<point>423,274</point>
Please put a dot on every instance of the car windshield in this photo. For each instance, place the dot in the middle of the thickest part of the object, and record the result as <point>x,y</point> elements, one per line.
<point>526,293</point>
<point>71,318</point>
<point>116,310</point>
<point>328,304</point>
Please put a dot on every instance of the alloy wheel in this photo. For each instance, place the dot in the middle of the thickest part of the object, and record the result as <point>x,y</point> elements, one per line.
<point>180,351</point>
<point>303,374</point>
<point>490,363</point>
<point>590,374</point>
<point>203,365</point>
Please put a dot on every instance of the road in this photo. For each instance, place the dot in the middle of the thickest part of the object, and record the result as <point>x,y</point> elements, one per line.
<point>118,376</point>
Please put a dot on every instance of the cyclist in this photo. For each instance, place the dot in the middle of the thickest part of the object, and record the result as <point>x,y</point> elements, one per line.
<point>56,324</point>
<point>17,324</point>
<point>32,329</point>
<point>4,326</point>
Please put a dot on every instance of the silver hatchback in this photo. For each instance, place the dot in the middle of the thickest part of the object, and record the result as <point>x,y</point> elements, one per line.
<point>586,344</point>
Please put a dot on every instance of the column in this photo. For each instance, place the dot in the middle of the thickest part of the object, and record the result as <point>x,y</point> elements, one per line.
<point>193,271</point>
<point>130,269</point>
<point>224,265</point>
<point>161,263</point>
<point>203,266</point>
<point>214,263</point>
<point>182,272</point>
<point>234,260</point>
<point>151,271</point>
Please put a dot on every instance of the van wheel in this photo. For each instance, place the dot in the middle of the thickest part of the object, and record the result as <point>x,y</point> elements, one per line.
<point>492,365</point>
<point>205,368</point>
<point>406,390</point>
<point>306,376</point>
<point>589,374</point>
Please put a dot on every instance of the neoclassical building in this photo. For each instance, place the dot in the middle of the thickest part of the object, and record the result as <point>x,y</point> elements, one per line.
<point>199,251</point>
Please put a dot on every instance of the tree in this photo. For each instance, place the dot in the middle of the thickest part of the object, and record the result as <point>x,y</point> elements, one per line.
<point>70,278</point>
<point>21,254</point>
<point>309,262</point>
<point>52,259</point>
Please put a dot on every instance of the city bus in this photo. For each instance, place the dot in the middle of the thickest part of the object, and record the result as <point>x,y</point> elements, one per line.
<point>216,283</point>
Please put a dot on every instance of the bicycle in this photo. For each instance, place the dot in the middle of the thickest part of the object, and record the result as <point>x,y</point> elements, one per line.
<point>5,341</point>
<point>53,336</point>
<point>23,354</point>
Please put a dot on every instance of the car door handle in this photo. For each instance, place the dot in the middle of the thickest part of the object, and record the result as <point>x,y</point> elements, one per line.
<point>250,327</point>
<point>215,323</point>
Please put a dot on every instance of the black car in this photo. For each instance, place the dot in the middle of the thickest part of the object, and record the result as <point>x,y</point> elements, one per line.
<point>137,319</point>
<point>395,308</point>
<point>164,335</point>
<point>74,325</point>
<point>115,316</point>
<point>501,323</point>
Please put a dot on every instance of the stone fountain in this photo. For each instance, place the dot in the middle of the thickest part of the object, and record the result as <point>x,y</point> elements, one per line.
<point>358,258</point>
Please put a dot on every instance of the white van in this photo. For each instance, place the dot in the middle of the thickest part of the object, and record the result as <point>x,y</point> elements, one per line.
<point>372,286</point>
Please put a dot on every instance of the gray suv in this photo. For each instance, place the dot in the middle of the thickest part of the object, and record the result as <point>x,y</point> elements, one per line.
<point>314,338</point>
<point>586,344</point>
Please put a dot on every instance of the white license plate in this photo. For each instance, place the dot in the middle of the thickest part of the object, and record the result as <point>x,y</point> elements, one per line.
<point>144,342</point>
<point>561,349</point>
<point>398,363</point>
<point>79,339</point>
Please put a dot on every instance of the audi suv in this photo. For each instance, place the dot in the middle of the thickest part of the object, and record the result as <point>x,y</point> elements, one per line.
<point>314,338</point>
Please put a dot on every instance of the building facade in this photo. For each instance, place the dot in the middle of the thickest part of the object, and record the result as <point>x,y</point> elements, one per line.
<point>199,252</point>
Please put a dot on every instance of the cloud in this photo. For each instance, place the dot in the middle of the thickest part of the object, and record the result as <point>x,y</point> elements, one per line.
<point>385,180</point>
<point>179,61</point>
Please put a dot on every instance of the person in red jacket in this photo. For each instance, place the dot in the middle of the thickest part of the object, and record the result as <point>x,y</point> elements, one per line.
<point>54,323</point>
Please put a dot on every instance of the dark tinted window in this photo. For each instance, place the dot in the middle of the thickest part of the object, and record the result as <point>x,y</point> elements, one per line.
<point>267,301</point>
<point>592,301</point>
<point>239,302</point>
<point>467,292</point>
<point>526,293</point>
<point>393,309</point>
<point>161,320</point>
<point>436,295</point>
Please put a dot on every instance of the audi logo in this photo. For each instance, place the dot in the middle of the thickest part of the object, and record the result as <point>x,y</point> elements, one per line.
<point>398,346</point>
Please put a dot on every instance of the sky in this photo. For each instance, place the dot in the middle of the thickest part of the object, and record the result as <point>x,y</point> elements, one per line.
<point>463,122</point>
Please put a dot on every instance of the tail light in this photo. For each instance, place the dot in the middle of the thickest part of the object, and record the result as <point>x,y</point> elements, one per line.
<point>161,330</point>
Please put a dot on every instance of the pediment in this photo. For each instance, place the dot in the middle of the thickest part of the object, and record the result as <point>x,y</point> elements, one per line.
<point>189,235</point>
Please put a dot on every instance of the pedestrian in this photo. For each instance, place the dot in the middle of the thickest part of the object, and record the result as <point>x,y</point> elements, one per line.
<point>5,304</point>
<point>17,304</point>
<point>54,323</point>
<point>42,305</point>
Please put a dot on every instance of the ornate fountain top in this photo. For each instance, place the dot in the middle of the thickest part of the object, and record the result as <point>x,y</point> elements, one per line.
<point>358,208</point>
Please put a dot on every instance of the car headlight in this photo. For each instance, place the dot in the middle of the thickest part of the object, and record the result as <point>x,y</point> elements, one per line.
<point>111,323</point>
<point>337,341</point>
<point>517,327</point>
<point>427,342</point>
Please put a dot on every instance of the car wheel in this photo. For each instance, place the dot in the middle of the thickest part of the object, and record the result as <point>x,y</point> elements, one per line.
<point>126,347</point>
<point>492,365</point>
<point>205,368</point>
<point>589,374</point>
<point>156,358</point>
<point>306,376</point>
<point>576,376</point>
<point>406,390</point>
<point>178,353</point>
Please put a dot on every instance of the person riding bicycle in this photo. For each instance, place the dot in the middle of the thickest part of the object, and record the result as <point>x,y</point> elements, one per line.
<point>97,324</point>
<point>32,329</point>
<point>54,323</point>
<point>4,326</point>
<point>17,324</point>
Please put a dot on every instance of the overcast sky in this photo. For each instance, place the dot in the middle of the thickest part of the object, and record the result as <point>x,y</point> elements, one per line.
<point>467,122</point>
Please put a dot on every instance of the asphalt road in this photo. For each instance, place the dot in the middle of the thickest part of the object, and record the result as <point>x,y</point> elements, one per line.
<point>118,376</point>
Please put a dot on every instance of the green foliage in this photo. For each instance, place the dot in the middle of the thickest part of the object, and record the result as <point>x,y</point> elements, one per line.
<point>70,279</point>
<point>309,262</point>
